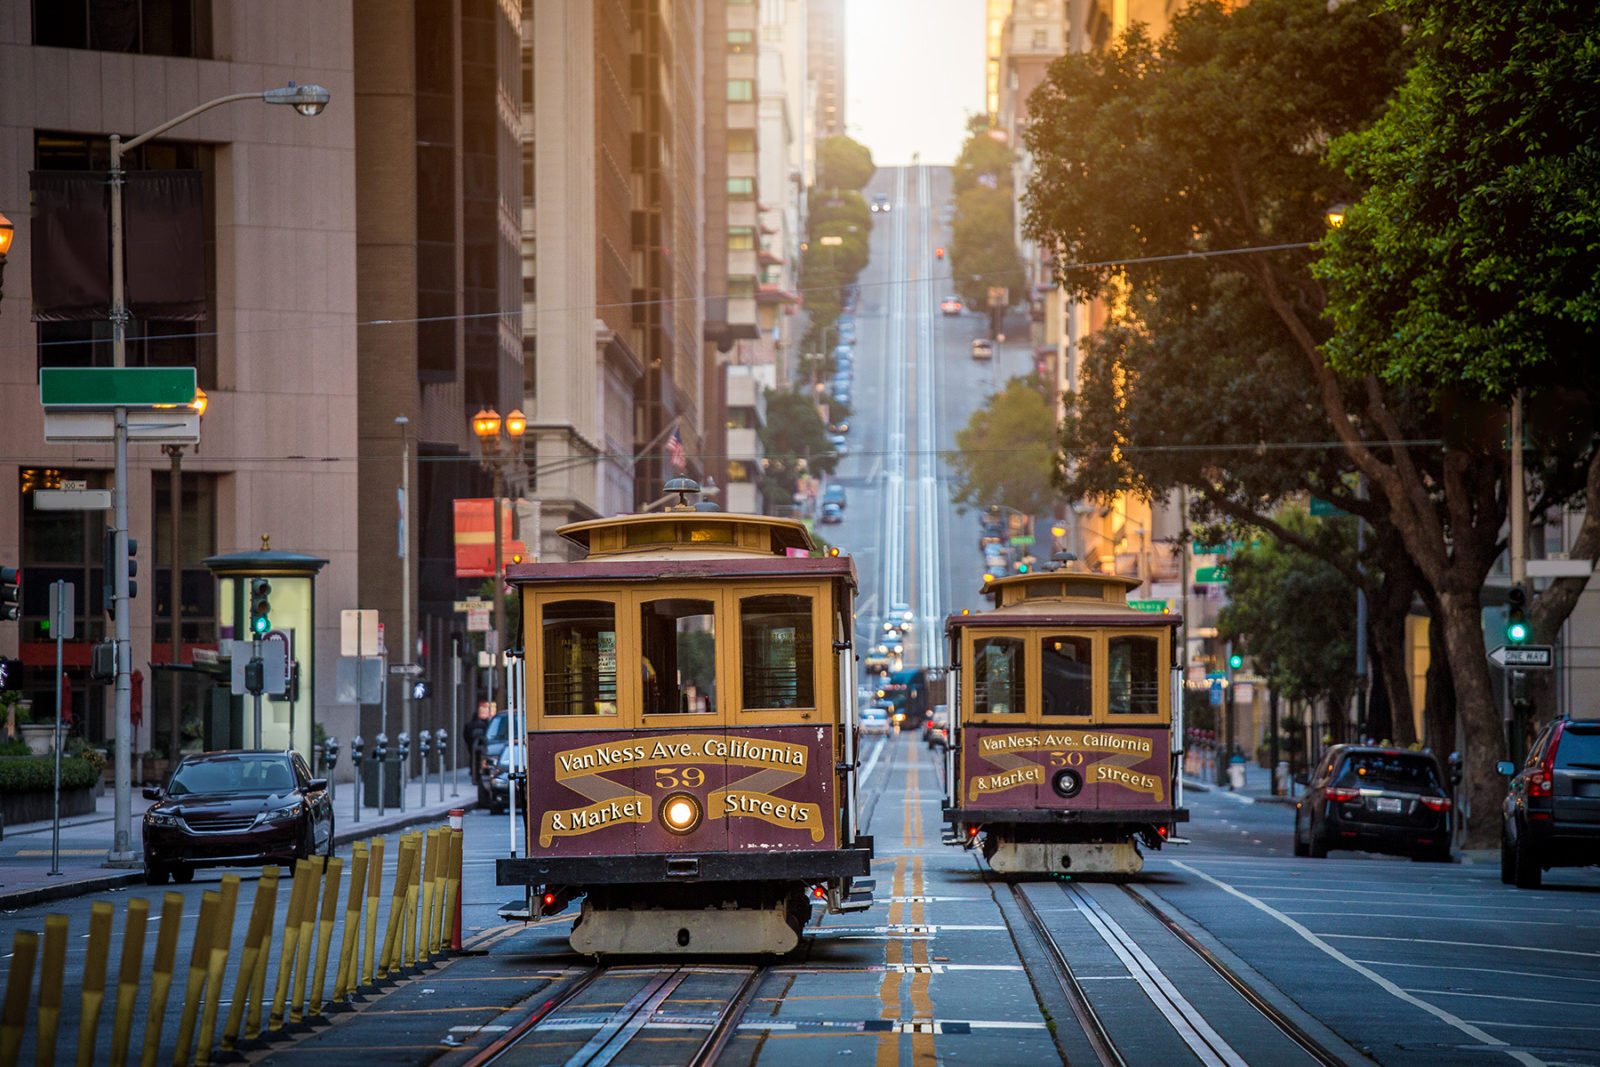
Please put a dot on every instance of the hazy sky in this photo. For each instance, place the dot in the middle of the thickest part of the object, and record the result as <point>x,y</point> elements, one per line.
<point>913,72</point>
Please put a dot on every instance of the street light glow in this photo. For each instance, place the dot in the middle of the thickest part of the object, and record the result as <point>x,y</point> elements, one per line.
<point>306,99</point>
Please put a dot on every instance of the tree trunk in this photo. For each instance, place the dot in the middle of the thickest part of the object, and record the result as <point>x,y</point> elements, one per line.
<point>1439,701</point>
<point>1482,787</point>
<point>1388,657</point>
<point>1380,722</point>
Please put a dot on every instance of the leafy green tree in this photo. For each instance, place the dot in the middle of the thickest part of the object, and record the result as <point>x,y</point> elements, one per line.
<point>795,442</point>
<point>843,163</point>
<point>836,210</point>
<point>982,154</point>
<point>983,250</point>
<point>1004,453</point>
<point>1305,655</point>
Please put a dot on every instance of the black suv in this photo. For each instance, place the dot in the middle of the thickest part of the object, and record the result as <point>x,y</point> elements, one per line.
<point>1552,810</point>
<point>1378,799</point>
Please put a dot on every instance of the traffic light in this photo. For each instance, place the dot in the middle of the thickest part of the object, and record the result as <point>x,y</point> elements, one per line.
<point>133,567</point>
<point>108,590</point>
<point>1516,615</point>
<point>260,606</point>
<point>1235,661</point>
<point>10,593</point>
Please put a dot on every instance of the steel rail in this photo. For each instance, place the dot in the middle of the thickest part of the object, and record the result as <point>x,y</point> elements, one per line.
<point>500,1045</point>
<point>723,1032</point>
<point>1288,1027</point>
<point>1094,1030</point>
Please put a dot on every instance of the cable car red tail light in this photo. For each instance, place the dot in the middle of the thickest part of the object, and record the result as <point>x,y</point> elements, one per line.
<point>819,892</point>
<point>1342,796</point>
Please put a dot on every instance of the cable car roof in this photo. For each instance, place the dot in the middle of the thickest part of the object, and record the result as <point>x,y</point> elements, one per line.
<point>1062,597</point>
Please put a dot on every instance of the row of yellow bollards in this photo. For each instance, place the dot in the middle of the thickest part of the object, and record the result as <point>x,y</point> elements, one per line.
<point>417,928</point>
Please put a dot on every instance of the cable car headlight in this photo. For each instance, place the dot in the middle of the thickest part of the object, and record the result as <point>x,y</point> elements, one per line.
<point>1066,782</point>
<point>681,813</point>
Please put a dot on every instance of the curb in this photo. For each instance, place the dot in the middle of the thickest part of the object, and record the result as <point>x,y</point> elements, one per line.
<point>66,890</point>
<point>1244,798</point>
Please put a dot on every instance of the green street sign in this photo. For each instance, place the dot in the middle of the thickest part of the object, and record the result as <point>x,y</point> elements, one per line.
<point>1156,606</point>
<point>1322,509</point>
<point>1022,539</point>
<point>115,387</point>
<point>1198,549</point>
<point>1211,575</point>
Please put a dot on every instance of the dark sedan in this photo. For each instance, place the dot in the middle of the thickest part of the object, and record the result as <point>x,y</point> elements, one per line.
<point>1552,809</point>
<point>1378,799</point>
<point>235,809</point>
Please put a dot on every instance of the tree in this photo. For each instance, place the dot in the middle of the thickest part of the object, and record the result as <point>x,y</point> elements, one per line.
<point>983,252</point>
<point>843,163</point>
<point>795,442</point>
<point>1004,453</point>
<point>983,154</point>
<point>1305,655</point>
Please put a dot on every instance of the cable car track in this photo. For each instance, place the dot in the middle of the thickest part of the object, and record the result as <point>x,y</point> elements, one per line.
<point>1189,1022</point>
<point>616,1026</point>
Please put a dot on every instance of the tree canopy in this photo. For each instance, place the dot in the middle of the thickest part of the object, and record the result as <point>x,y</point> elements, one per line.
<point>795,442</point>
<point>982,154</point>
<point>1004,453</point>
<point>843,163</point>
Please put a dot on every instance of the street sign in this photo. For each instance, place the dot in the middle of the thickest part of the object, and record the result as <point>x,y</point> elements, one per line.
<point>471,604</point>
<point>274,668</point>
<point>113,387</point>
<point>362,622</point>
<point>1538,657</point>
<point>165,424</point>
<point>1210,575</point>
<point>1216,692</point>
<point>359,681</point>
<point>405,668</point>
<point>63,618</point>
<point>1022,539</point>
<point>71,499</point>
<point>478,620</point>
<point>1148,605</point>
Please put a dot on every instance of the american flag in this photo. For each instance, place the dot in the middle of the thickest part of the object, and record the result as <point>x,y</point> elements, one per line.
<point>680,462</point>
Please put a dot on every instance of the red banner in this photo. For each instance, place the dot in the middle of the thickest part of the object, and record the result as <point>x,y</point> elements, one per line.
<point>475,538</point>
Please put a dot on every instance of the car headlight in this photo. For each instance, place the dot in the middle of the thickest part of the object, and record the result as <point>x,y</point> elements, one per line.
<point>288,811</point>
<point>158,818</point>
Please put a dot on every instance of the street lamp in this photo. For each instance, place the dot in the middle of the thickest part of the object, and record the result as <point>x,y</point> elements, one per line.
<point>174,451</point>
<point>308,100</point>
<point>7,232</point>
<point>496,456</point>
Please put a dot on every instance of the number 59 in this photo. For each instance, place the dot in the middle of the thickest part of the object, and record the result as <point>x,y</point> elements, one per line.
<point>671,778</point>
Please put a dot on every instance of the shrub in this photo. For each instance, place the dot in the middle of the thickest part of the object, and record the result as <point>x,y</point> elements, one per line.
<point>36,774</point>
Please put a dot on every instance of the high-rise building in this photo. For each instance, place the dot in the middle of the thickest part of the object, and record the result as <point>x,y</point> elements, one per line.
<point>825,62</point>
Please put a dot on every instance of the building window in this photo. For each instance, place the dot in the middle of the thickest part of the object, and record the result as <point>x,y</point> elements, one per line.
<point>1041,38</point>
<point>144,27</point>
<point>741,140</point>
<point>741,238</point>
<point>741,287</point>
<point>742,188</point>
<point>741,90</point>
<point>740,42</point>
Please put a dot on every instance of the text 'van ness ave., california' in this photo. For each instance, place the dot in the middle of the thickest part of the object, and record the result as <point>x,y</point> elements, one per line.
<point>1086,740</point>
<point>680,748</point>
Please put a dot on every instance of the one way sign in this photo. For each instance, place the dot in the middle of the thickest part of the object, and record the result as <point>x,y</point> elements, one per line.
<point>1539,657</point>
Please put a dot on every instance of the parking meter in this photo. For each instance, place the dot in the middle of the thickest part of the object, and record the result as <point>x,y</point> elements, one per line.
<point>424,746</point>
<point>330,753</point>
<point>380,752</point>
<point>403,765</point>
<point>357,752</point>
<point>403,749</point>
<point>439,745</point>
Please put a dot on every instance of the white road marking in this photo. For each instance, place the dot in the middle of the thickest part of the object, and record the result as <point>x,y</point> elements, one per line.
<point>1322,913</point>
<point>1498,972</point>
<point>1383,983</point>
<point>1501,996</point>
<point>866,772</point>
<point>1468,944</point>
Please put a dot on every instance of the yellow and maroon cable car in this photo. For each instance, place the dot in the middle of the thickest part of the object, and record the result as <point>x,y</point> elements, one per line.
<point>1066,726</point>
<point>690,691</point>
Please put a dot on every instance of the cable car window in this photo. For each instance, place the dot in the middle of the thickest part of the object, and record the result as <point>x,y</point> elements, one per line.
<point>1066,676</point>
<point>1135,676</point>
<point>580,657</point>
<point>679,649</point>
<point>998,686</point>
<point>776,640</point>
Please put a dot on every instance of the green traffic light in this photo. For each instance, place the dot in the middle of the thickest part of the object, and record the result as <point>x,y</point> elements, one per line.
<point>1236,661</point>
<point>1517,632</point>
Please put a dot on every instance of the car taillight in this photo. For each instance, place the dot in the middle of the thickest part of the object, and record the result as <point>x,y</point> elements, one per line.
<point>1539,781</point>
<point>1436,803</point>
<point>1539,784</point>
<point>1342,795</point>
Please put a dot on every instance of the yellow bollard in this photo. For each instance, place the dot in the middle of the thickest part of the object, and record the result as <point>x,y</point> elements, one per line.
<point>429,868</point>
<point>50,972</point>
<point>199,964</point>
<point>129,977</point>
<point>19,987</point>
<point>221,945</point>
<point>308,927</point>
<point>250,956</point>
<point>330,911</point>
<point>291,939</point>
<point>352,924</point>
<point>389,963</point>
<point>374,894</point>
<point>161,975</point>
<point>451,934</point>
<point>94,980</point>
<point>408,945</point>
<point>441,875</point>
<point>258,980</point>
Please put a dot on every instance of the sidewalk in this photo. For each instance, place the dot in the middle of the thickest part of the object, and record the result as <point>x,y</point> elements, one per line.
<point>1257,786</point>
<point>25,879</point>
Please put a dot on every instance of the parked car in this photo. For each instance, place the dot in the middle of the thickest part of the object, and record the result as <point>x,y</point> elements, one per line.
<point>834,494</point>
<point>842,426</point>
<point>937,730</point>
<point>874,721</point>
<point>235,809</point>
<point>491,753</point>
<point>950,305</point>
<point>1379,799</point>
<point>982,349</point>
<point>832,514</point>
<point>1552,808</point>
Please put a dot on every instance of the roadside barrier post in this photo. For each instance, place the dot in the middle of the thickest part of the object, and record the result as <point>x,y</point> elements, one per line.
<point>441,873</point>
<point>51,969</point>
<point>291,938</point>
<point>457,832</point>
<point>221,943</point>
<point>258,979</point>
<point>374,895</point>
<point>352,928</point>
<point>19,987</point>
<point>414,899</point>
<point>250,957</point>
<point>426,946</point>
<point>389,965</point>
<point>161,975</point>
<point>308,925</point>
<point>94,980</point>
<point>128,977</point>
<point>199,964</point>
<point>330,912</point>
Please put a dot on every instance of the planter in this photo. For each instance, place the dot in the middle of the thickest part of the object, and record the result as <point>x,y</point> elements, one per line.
<point>40,736</point>
<point>40,807</point>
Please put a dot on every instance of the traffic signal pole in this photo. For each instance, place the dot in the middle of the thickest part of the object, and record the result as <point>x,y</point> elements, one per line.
<point>121,854</point>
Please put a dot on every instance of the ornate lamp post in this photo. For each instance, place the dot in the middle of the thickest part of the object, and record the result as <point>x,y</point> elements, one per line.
<point>7,232</point>
<point>499,450</point>
<point>174,452</point>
